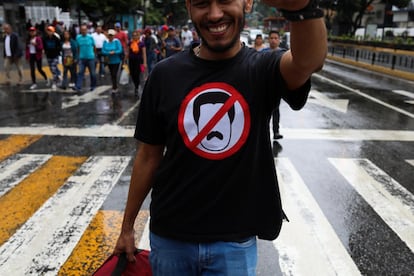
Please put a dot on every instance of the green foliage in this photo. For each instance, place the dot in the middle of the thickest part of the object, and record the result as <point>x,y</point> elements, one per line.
<point>99,9</point>
<point>106,9</point>
<point>154,16</point>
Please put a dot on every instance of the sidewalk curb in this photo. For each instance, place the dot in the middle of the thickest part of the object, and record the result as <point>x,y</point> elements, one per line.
<point>375,68</point>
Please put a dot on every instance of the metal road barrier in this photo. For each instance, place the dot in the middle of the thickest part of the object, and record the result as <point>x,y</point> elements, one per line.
<point>401,60</point>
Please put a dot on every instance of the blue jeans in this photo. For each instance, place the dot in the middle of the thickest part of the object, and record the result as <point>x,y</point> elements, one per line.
<point>53,66</point>
<point>83,63</point>
<point>176,258</point>
<point>72,70</point>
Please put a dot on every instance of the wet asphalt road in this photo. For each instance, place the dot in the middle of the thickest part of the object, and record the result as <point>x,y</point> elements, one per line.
<point>345,166</point>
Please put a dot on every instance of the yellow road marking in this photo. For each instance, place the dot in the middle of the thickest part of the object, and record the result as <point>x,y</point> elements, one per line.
<point>15,143</point>
<point>19,204</point>
<point>98,241</point>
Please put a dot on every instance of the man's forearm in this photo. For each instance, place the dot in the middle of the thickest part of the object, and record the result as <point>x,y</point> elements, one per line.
<point>308,45</point>
<point>145,164</point>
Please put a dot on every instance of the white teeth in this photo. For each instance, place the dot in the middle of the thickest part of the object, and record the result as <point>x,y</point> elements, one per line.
<point>218,29</point>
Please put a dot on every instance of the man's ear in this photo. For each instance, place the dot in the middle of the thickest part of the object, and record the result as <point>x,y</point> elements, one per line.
<point>248,6</point>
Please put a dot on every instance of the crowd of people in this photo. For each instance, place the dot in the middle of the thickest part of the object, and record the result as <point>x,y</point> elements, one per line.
<point>97,47</point>
<point>93,47</point>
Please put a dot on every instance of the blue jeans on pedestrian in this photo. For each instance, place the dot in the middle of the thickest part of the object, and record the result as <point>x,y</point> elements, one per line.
<point>100,62</point>
<point>53,66</point>
<point>170,257</point>
<point>83,63</point>
<point>72,70</point>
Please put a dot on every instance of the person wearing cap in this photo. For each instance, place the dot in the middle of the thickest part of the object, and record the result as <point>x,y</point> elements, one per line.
<point>12,52</point>
<point>204,152</point>
<point>123,38</point>
<point>152,49</point>
<point>186,37</point>
<point>112,48</point>
<point>172,43</point>
<point>53,47</point>
<point>86,51</point>
<point>162,35</point>
<point>34,53</point>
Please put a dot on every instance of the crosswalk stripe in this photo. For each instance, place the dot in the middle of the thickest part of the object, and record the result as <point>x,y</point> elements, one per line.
<point>144,242</point>
<point>392,202</point>
<point>17,168</point>
<point>46,240</point>
<point>404,93</point>
<point>356,91</point>
<point>113,130</point>
<point>307,245</point>
<point>15,143</point>
<point>410,162</point>
<point>20,203</point>
<point>98,242</point>
<point>87,97</point>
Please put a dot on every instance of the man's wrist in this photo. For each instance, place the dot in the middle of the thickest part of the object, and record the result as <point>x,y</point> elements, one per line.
<point>311,11</point>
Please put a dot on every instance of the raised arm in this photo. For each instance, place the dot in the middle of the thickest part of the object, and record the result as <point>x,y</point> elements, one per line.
<point>308,40</point>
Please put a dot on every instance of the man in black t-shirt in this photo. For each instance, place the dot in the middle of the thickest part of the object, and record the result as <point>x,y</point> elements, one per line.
<point>205,150</point>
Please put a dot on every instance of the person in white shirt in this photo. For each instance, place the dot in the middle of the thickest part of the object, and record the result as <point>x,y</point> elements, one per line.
<point>186,37</point>
<point>99,38</point>
<point>12,53</point>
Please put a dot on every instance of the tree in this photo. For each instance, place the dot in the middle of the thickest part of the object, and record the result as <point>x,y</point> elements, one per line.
<point>349,13</point>
<point>98,9</point>
<point>174,11</point>
<point>171,12</point>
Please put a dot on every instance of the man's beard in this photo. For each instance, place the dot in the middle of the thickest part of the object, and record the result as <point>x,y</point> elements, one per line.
<point>223,48</point>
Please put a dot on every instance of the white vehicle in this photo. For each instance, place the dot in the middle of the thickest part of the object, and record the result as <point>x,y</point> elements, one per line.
<point>253,33</point>
<point>244,39</point>
<point>285,43</point>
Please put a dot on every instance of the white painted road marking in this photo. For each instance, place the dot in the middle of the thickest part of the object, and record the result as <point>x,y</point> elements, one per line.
<point>410,162</point>
<point>349,134</point>
<point>399,110</point>
<point>406,94</point>
<point>87,97</point>
<point>127,113</point>
<point>108,130</point>
<point>47,239</point>
<point>319,98</point>
<point>49,90</point>
<point>307,245</point>
<point>393,203</point>
<point>16,168</point>
<point>105,130</point>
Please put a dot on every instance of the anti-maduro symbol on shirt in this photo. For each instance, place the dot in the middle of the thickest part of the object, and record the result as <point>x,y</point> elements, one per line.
<point>214,120</point>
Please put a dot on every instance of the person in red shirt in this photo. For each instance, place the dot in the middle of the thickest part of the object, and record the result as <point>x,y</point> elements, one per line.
<point>123,37</point>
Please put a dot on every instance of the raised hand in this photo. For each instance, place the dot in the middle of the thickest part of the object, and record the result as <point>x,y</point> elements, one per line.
<point>289,5</point>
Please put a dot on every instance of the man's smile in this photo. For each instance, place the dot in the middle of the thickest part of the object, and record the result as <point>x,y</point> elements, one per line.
<point>218,29</point>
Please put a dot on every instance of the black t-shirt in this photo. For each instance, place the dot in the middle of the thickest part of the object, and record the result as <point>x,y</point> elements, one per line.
<point>217,180</point>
